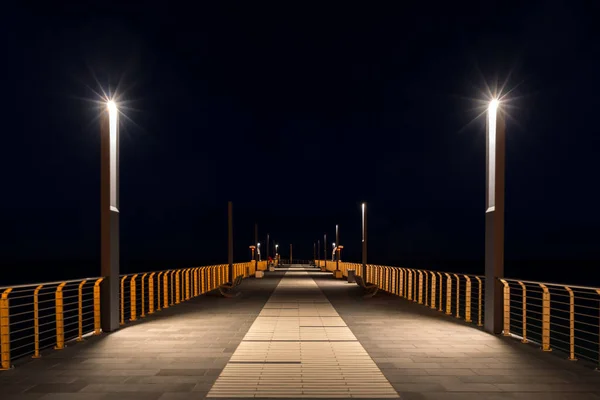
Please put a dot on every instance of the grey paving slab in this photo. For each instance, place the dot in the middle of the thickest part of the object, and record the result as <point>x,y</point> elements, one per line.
<point>428,355</point>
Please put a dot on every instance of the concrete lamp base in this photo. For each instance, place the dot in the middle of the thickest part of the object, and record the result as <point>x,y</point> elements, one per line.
<point>337,274</point>
<point>259,274</point>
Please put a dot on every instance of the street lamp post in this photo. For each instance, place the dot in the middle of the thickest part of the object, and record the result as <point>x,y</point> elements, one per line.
<point>318,252</point>
<point>109,217</point>
<point>267,253</point>
<point>230,240</point>
<point>290,254</point>
<point>337,273</point>
<point>364,240</point>
<point>256,245</point>
<point>494,217</point>
<point>325,250</point>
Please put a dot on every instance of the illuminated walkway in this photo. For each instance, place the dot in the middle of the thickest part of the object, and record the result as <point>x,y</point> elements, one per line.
<point>199,348</point>
<point>299,346</point>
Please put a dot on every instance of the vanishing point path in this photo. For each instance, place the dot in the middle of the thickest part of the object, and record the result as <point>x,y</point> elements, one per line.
<point>298,333</point>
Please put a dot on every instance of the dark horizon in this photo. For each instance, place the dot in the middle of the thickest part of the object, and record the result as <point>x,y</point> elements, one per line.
<point>297,117</point>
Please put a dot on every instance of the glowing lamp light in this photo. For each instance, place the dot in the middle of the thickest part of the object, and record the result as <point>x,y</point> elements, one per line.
<point>113,123</point>
<point>492,114</point>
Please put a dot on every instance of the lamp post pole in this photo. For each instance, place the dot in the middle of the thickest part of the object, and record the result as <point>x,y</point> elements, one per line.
<point>364,240</point>
<point>267,253</point>
<point>290,254</point>
<point>109,217</point>
<point>337,273</point>
<point>230,239</point>
<point>325,249</point>
<point>494,218</point>
<point>318,251</point>
<point>256,244</point>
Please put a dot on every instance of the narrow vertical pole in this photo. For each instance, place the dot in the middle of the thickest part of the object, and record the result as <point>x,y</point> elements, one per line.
<point>364,239</point>
<point>494,219</point>
<point>314,252</point>
<point>337,245</point>
<point>290,254</point>
<point>267,253</point>
<point>318,250</point>
<point>230,240</point>
<point>109,217</point>
<point>256,249</point>
<point>325,249</point>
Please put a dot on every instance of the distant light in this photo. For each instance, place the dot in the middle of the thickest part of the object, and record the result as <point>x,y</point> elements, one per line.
<point>258,244</point>
<point>333,244</point>
<point>494,105</point>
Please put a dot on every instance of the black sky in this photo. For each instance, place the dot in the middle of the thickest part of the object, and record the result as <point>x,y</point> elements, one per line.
<point>298,113</point>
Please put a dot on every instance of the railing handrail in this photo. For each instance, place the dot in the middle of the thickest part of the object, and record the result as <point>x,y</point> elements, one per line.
<point>27,285</point>
<point>562,285</point>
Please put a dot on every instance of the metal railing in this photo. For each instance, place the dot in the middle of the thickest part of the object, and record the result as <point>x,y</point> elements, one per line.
<point>553,316</point>
<point>38,316</point>
<point>459,295</point>
<point>563,317</point>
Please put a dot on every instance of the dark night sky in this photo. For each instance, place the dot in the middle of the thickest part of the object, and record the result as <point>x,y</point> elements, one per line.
<point>297,114</point>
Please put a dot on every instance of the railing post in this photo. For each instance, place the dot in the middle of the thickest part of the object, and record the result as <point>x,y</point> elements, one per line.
<point>123,300</point>
<point>5,330</point>
<point>457,295</point>
<point>178,286</point>
<point>479,323</point>
<point>80,311</point>
<point>410,285</point>
<point>415,286</point>
<point>441,304</point>
<point>143,314</point>
<point>571,324</point>
<point>506,301</point>
<point>97,307</point>
<point>545,318</point>
<point>151,293</point>
<point>165,284</point>
<point>524,340</point>
<point>426,277</point>
<point>133,298</point>
<point>60,318</point>
<point>36,322</point>
<point>448,294</point>
<point>194,282</point>
<point>172,282</point>
<point>420,287</point>
<point>433,294</point>
<point>468,299</point>
<point>400,282</point>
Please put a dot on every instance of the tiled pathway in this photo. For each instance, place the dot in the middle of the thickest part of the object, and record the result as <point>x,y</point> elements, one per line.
<point>300,347</point>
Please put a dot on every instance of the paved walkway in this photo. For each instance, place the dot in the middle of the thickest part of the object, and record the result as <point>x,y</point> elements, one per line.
<point>300,347</point>
<point>190,349</point>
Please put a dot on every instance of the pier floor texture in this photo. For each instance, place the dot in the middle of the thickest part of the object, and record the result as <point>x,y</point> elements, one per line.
<point>298,333</point>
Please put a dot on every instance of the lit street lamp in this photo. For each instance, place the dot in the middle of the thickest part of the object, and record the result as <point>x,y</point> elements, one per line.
<point>494,217</point>
<point>109,216</point>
